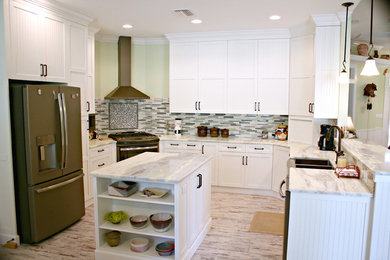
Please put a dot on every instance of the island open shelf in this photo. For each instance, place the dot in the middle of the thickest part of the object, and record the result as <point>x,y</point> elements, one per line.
<point>186,176</point>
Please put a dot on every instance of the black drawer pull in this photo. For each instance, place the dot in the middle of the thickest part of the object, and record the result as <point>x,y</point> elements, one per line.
<point>261,149</point>
<point>100,165</point>
<point>232,147</point>
<point>174,144</point>
<point>200,181</point>
<point>101,150</point>
<point>191,145</point>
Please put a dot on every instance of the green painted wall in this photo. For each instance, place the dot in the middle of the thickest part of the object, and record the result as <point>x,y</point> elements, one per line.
<point>366,119</point>
<point>149,72</point>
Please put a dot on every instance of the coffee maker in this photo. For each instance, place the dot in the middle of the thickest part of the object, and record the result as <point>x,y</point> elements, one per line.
<point>323,144</point>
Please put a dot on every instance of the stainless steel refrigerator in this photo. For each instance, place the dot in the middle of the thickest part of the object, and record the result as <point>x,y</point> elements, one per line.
<point>47,159</point>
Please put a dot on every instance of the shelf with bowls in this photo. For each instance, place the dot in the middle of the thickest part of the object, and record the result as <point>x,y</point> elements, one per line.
<point>168,199</point>
<point>124,249</point>
<point>125,226</point>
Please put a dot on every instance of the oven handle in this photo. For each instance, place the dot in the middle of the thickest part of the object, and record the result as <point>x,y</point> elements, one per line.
<point>138,148</point>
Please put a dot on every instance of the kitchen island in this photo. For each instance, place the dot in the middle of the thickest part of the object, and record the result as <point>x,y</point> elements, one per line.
<point>186,176</point>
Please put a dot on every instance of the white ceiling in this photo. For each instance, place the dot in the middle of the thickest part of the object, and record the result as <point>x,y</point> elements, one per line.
<point>360,29</point>
<point>154,18</point>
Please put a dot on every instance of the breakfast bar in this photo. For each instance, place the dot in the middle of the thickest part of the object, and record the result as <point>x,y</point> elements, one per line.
<point>185,178</point>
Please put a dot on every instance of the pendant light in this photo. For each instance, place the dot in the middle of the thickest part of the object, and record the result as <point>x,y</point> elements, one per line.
<point>344,79</point>
<point>370,68</point>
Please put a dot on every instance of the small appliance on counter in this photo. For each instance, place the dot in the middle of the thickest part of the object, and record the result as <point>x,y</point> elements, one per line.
<point>323,144</point>
<point>177,129</point>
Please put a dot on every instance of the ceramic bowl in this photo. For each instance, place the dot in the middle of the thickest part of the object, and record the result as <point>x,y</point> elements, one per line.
<point>165,246</point>
<point>166,253</point>
<point>139,221</point>
<point>161,221</point>
<point>139,244</point>
<point>113,238</point>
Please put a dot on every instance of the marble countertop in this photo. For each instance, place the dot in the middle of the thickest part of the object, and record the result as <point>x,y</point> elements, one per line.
<point>375,157</point>
<point>97,142</point>
<point>230,139</point>
<point>307,151</point>
<point>149,166</point>
<point>325,182</point>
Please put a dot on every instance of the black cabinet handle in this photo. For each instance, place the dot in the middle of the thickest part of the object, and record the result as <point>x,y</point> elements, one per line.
<point>261,149</point>
<point>42,72</point>
<point>246,162</point>
<point>258,106</point>
<point>88,106</point>
<point>242,160</point>
<point>174,144</point>
<point>200,181</point>
<point>100,165</point>
<point>196,103</point>
<point>45,67</point>
<point>191,145</point>
<point>102,150</point>
<point>255,106</point>
<point>311,108</point>
<point>232,147</point>
<point>202,148</point>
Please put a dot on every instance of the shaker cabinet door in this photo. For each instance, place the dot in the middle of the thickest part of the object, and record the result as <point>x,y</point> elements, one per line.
<point>230,169</point>
<point>258,171</point>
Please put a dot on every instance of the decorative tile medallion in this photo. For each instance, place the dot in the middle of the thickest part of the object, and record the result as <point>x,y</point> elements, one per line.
<point>123,115</point>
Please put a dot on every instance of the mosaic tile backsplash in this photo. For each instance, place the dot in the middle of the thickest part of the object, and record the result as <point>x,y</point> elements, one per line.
<point>153,116</point>
<point>123,115</point>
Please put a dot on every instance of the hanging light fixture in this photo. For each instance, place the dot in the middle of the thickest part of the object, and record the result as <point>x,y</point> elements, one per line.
<point>370,68</point>
<point>344,75</point>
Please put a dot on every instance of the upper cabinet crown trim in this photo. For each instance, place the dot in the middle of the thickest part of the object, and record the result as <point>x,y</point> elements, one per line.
<point>230,35</point>
<point>59,9</point>
<point>326,19</point>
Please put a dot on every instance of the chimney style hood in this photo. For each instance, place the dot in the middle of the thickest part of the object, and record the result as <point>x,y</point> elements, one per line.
<point>125,90</point>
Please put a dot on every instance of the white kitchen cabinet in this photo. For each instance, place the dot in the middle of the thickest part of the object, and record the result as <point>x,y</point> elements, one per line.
<point>280,156</point>
<point>37,47</point>
<point>242,77</point>
<point>300,129</point>
<point>212,149</point>
<point>188,201</point>
<point>90,93</point>
<point>302,96</point>
<point>99,157</point>
<point>245,166</point>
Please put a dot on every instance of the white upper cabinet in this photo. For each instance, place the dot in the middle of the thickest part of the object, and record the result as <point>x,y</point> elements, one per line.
<point>37,46</point>
<point>302,76</point>
<point>212,77</point>
<point>273,79</point>
<point>326,73</point>
<point>242,76</point>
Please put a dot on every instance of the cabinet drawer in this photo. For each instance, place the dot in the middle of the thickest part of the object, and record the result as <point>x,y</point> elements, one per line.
<point>99,162</point>
<point>172,145</point>
<point>104,150</point>
<point>192,146</point>
<point>231,148</point>
<point>258,148</point>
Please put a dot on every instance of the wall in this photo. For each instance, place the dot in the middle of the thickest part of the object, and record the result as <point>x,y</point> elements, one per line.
<point>154,113</point>
<point>367,119</point>
<point>7,203</point>
<point>149,72</point>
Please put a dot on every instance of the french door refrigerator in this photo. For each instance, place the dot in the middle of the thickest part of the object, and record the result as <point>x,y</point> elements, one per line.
<point>47,159</point>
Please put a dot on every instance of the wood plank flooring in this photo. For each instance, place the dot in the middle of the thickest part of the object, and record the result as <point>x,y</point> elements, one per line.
<point>228,238</point>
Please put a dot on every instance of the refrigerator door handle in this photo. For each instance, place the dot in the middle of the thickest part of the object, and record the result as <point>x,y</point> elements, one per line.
<point>66,130</point>
<point>55,186</point>
<point>60,107</point>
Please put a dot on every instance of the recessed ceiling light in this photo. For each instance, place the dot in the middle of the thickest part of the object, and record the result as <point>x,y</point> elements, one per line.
<point>197,21</point>
<point>127,26</point>
<point>274,17</point>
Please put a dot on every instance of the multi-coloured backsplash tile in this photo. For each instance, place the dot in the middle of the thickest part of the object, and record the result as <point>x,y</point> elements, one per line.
<point>154,116</point>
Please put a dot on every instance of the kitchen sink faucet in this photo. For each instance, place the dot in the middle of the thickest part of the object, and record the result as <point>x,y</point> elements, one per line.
<point>340,135</point>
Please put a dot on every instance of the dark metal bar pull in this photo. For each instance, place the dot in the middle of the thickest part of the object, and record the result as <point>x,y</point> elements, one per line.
<point>242,160</point>
<point>102,164</point>
<point>45,67</point>
<point>246,160</point>
<point>88,106</point>
<point>202,148</point>
<point>174,144</point>
<point>232,147</point>
<point>191,145</point>
<point>255,106</point>
<point>260,149</point>
<point>42,72</point>
<point>196,103</point>
<point>200,181</point>
<point>258,106</point>
<point>101,150</point>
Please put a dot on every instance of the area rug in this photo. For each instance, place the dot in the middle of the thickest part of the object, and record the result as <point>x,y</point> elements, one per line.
<point>267,222</point>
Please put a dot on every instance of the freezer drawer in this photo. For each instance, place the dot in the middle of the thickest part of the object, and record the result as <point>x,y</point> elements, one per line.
<point>56,205</point>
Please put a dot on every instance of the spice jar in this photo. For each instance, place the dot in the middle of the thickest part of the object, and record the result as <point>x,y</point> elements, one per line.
<point>113,238</point>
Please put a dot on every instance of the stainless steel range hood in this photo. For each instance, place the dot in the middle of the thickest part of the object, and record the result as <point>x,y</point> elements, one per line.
<point>125,90</point>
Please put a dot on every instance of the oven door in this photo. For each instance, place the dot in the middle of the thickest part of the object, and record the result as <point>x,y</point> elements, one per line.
<point>126,151</point>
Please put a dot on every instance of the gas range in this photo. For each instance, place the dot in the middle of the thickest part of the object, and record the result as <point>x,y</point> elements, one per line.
<point>129,144</point>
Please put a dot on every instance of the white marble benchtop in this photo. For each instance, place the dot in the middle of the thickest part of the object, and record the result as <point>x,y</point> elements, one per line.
<point>150,166</point>
<point>375,157</point>
<point>326,182</point>
<point>97,142</point>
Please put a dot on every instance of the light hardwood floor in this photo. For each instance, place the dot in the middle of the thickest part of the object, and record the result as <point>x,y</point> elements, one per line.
<point>228,238</point>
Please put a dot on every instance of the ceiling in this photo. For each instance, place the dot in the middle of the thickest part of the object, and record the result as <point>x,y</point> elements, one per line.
<point>360,28</point>
<point>154,18</point>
